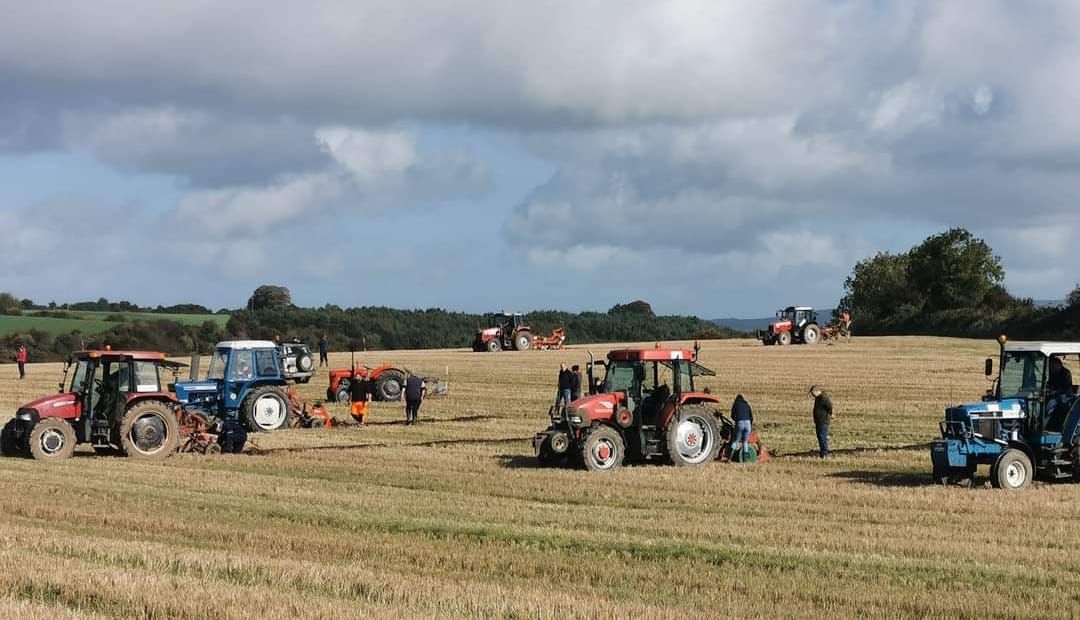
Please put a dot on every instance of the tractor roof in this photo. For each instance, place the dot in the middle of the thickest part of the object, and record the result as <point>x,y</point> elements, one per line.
<point>650,355</point>
<point>111,354</point>
<point>789,308</point>
<point>1046,348</point>
<point>246,344</point>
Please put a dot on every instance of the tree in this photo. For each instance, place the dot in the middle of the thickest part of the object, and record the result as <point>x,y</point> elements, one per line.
<point>268,297</point>
<point>877,289</point>
<point>1073,299</point>
<point>9,304</point>
<point>634,307</point>
<point>953,270</point>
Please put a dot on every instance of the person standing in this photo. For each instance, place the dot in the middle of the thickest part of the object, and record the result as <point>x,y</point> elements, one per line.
<point>324,351</point>
<point>566,386</point>
<point>358,397</point>
<point>414,395</point>
<point>743,416</point>
<point>823,413</point>
<point>575,382</point>
<point>20,358</point>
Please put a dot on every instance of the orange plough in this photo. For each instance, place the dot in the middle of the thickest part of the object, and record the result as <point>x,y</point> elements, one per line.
<point>555,341</point>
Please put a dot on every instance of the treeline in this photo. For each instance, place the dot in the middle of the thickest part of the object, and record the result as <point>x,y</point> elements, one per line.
<point>951,284</point>
<point>389,328</point>
<point>161,335</point>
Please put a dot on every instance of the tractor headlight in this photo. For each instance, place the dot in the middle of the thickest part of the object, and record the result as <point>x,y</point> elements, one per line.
<point>26,414</point>
<point>575,416</point>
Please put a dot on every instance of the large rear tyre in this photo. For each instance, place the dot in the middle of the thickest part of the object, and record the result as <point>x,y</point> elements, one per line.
<point>52,439</point>
<point>9,440</point>
<point>783,338</point>
<point>602,449</point>
<point>1012,470</point>
<point>149,430</point>
<point>266,409</point>
<point>389,385</point>
<point>811,334</point>
<point>693,436</point>
<point>493,345</point>
<point>523,341</point>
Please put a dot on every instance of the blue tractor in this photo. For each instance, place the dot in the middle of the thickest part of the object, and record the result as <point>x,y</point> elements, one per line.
<point>245,383</point>
<point>1026,425</point>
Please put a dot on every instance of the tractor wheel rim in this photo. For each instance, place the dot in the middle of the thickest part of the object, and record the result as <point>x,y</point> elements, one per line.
<point>149,433</point>
<point>604,454</point>
<point>1015,474</point>
<point>693,439</point>
<point>391,389</point>
<point>269,413</point>
<point>52,441</point>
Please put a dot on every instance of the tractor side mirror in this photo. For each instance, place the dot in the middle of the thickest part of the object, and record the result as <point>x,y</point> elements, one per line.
<point>61,386</point>
<point>988,370</point>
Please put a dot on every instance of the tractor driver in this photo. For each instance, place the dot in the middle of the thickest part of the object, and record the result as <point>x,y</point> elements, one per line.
<point>1060,382</point>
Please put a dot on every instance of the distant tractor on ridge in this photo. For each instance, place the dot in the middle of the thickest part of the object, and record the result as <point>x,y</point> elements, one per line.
<point>509,330</point>
<point>794,324</point>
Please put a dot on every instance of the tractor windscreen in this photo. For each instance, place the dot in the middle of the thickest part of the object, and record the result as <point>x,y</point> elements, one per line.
<point>217,365</point>
<point>620,376</point>
<point>1022,373</point>
<point>79,376</point>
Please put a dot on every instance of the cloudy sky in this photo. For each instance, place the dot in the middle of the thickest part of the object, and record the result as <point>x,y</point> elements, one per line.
<point>714,158</point>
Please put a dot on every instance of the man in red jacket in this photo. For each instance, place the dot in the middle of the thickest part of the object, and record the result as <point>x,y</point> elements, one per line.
<point>20,357</point>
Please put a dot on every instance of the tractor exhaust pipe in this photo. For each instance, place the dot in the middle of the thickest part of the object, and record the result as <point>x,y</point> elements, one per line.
<point>193,375</point>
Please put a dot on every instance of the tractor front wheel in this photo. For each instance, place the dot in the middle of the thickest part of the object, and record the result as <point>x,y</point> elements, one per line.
<point>1012,470</point>
<point>812,334</point>
<point>523,341</point>
<point>693,436</point>
<point>149,430</point>
<point>342,394</point>
<point>52,439</point>
<point>266,409</point>
<point>9,440</point>
<point>493,345</point>
<point>783,338</point>
<point>602,449</point>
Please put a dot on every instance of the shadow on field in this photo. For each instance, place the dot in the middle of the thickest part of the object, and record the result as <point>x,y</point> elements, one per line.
<point>256,451</point>
<point>519,461</point>
<point>814,453</point>
<point>885,479</point>
<point>464,418</point>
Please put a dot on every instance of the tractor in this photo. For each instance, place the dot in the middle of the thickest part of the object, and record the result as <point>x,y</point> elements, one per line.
<point>797,324</point>
<point>388,382</point>
<point>115,400</point>
<point>245,382</point>
<point>1025,427</point>
<point>510,331</point>
<point>645,408</point>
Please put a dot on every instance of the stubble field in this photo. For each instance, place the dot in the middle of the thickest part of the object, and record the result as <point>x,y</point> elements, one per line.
<point>451,518</point>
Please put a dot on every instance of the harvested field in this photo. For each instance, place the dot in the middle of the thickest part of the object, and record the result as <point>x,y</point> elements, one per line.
<point>452,519</point>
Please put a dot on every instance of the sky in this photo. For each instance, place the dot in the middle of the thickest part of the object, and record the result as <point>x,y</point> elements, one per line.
<point>713,158</point>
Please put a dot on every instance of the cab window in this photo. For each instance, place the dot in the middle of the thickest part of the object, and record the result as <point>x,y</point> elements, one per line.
<point>146,377</point>
<point>264,361</point>
<point>241,368</point>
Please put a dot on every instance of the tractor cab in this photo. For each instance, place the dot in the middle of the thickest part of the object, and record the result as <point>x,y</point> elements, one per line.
<point>1026,425</point>
<point>114,400</point>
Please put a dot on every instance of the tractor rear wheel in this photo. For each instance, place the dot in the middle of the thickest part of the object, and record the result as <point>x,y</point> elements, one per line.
<point>9,440</point>
<point>1012,470</point>
<point>342,394</point>
<point>493,345</point>
<point>602,449</point>
<point>693,436</point>
<point>266,409</point>
<point>389,385</point>
<point>783,338</point>
<point>812,334</point>
<point>52,439</point>
<point>523,341</point>
<point>149,430</point>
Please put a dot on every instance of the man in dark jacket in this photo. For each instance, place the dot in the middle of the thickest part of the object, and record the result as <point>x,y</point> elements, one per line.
<point>743,416</point>
<point>414,395</point>
<point>324,350</point>
<point>1061,382</point>
<point>823,412</point>
<point>566,386</point>
<point>575,382</point>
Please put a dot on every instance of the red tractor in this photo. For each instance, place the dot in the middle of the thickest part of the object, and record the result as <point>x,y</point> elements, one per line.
<point>794,324</point>
<point>646,407</point>
<point>387,381</point>
<point>510,331</point>
<point>116,401</point>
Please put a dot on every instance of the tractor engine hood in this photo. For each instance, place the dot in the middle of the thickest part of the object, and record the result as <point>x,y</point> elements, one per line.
<point>596,407</point>
<point>778,325</point>
<point>196,391</point>
<point>62,405</point>
<point>489,331</point>
<point>1010,407</point>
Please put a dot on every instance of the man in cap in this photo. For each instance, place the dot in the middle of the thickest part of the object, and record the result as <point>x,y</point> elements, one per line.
<point>823,412</point>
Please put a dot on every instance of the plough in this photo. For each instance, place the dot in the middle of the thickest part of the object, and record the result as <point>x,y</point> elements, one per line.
<point>554,341</point>
<point>838,329</point>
